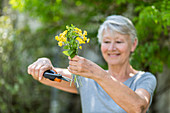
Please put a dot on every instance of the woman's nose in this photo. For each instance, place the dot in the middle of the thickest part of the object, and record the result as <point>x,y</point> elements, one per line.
<point>112,47</point>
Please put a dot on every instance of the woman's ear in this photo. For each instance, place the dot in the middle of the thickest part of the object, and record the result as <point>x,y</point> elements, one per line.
<point>134,45</point>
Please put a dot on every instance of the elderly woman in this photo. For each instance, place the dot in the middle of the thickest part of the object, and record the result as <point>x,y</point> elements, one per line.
<point>119,89</point>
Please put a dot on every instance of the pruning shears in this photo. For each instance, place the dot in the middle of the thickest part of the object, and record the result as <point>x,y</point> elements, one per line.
<point>54,76</point>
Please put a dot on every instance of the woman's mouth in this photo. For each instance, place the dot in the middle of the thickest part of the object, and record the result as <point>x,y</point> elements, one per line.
<point>113,54</point>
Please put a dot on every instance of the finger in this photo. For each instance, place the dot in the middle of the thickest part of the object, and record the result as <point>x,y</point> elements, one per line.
<point>69,57</point>
<point>75,68</point>
<point>33,71</point>
<point>37,69</point>
<point>75,58</point>
<point>29,69</point>
<point>72,71</point>
<point>77,73</point>
<point>42,70</point>
<point>73,63</point>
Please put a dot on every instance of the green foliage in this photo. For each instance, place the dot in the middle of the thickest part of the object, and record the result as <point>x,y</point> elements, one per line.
<point>14,82</point>
<point>20,47</point>
<point>152,26</point>
<point>5,51</point>
<point>48,11</point>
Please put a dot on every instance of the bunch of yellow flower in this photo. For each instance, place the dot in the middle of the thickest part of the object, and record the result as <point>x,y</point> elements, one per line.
<point>71,39</point>
<point>62,38</point>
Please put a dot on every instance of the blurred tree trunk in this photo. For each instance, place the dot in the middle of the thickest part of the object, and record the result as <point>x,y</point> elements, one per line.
<point>161,101</point>
<point>54,104</point>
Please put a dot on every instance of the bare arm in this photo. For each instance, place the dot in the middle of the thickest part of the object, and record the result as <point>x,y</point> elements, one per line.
<point>43,64</point>
<point>131,101</point>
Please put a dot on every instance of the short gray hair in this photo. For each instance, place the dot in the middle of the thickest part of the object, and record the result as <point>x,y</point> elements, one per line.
<point>119,24</point>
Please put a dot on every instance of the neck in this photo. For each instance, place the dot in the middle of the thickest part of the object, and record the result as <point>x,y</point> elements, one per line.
<point>122,72</point>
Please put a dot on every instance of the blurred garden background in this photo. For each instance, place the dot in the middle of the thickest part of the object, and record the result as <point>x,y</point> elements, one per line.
<point>27,31</point>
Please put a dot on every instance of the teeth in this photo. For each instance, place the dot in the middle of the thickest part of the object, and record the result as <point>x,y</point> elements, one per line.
<point>113,54</point>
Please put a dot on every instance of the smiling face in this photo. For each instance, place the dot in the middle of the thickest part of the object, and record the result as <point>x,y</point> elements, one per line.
<point>116,47</point>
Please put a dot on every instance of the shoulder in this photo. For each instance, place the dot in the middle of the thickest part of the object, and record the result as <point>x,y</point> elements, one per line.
<point>141,76</point>
<point>146,80</point>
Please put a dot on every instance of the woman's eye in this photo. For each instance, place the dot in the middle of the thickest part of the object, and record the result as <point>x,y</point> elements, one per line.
<point>119,42</point>
<point>106,41</point>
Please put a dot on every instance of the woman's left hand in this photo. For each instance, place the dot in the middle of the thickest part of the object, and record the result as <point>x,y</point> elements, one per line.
<point>86,68</point>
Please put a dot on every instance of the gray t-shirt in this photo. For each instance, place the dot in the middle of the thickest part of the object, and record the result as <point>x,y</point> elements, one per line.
<point>95,100</point>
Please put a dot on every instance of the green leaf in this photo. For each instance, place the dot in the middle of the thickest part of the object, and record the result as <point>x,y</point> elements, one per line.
<point>72,42</point>
<point>66,47</point>
<point>66,53</point>
<point>72,55</point>
<point>70,52</point>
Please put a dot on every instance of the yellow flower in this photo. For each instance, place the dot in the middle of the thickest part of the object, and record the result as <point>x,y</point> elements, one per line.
<point>64,39</point>
<point>85,32</point>
<point>60,43</point>
<point>88,40</point>
<point>61,35</point>
<point>78,30</point>
<point>65,32</point>
<point>80,47</point>
<point>80,33</point>
<point>84,38</point>
<point>80,40</point>
<point>57,38</point>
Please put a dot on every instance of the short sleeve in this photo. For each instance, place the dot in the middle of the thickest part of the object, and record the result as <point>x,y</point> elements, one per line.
<point>148,82</point>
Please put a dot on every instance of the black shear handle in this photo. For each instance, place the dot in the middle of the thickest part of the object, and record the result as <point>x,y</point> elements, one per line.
<point>50,74</point>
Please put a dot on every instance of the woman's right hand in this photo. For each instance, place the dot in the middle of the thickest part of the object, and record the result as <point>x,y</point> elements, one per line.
<point>37,68</point>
